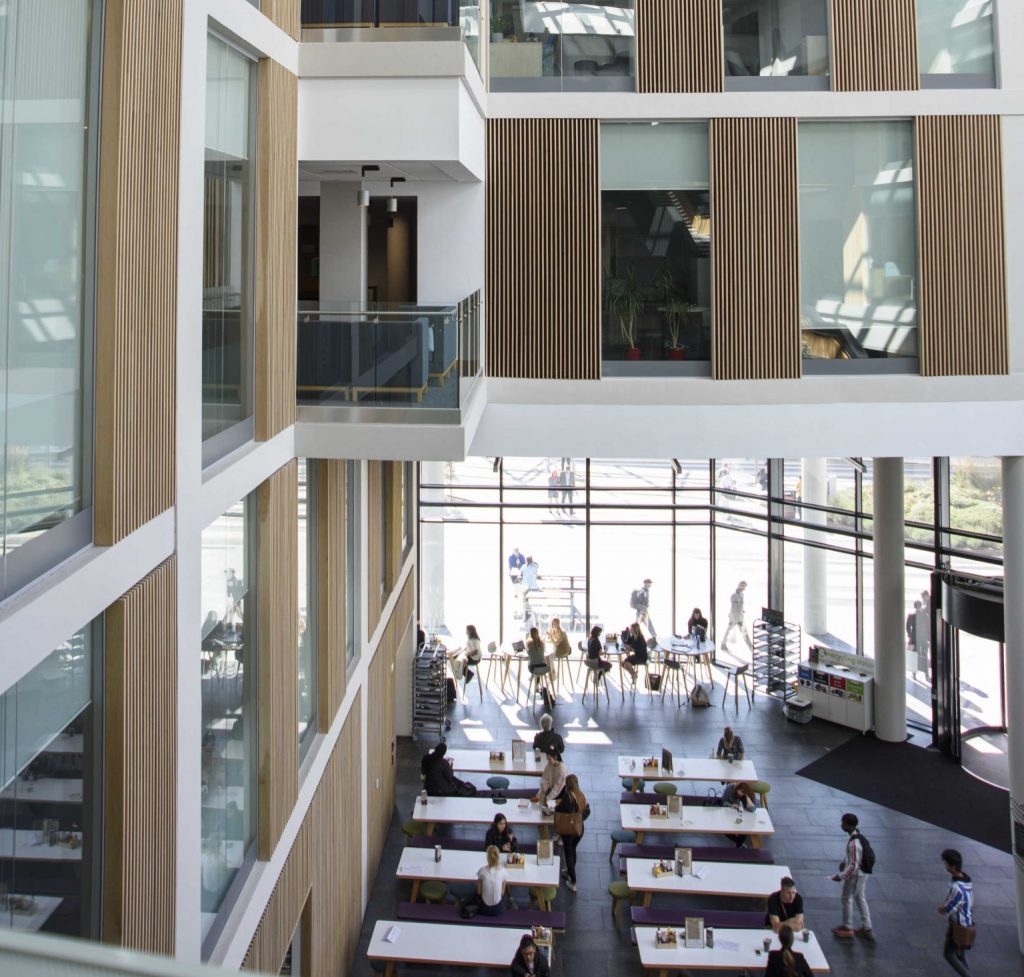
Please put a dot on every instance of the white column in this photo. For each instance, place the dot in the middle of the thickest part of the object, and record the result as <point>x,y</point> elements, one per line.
<point>890,656</point>
<point>1009,28</point>
<point>342,244</point>
<point>1013,626</point>
<point>815,491</point>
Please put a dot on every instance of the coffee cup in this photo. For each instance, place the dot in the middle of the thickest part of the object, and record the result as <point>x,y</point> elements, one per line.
<point>437,853</point>
<point>767,942</point>
<point>807,936</point>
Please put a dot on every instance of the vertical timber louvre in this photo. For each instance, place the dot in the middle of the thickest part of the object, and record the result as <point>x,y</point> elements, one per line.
<point>679,46</point>
<point>332,632</point>
<point>874,45</point>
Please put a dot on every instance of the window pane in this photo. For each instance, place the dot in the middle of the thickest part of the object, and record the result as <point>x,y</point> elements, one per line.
<point>739,558</point>
<point>45,319</point>
<point>858,251</point>
<point>955,37</point>
<point>307,636</point>
<point>976,504</point>
<point>47,851</point>
<point>775,37</point>
<point>228,657</point>
<point>228,223</point>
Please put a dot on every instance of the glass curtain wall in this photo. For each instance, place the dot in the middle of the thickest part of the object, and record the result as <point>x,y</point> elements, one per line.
<point>49,789</point>
<point>956,43</point>
<point>307,625</point>
<point>47,181</point>
<point>858,245</point>
<point>228,248</point>
<point>767,41</point>
<point>655,248</point>
<point>228,669</point>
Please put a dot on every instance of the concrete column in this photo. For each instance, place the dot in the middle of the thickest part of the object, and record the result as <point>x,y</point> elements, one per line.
<point>890,637</point>
<point>1013,625</point>
<point>432,555</point>
<point>342,244</point>
<point>815,491</point>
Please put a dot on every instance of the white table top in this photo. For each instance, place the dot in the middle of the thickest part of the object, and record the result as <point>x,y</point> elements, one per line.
<point>444,943</point>
<point>45,907</point>
<point>686,646</point>
<point>698,820</point>
<point>479,761</point>
<point>721,957</point>
<point>689,768</point>
<point>719,878</point>
<point>53,790</point>
<point>462,866</point>
<point>26,845</point>
<point>476,810</point>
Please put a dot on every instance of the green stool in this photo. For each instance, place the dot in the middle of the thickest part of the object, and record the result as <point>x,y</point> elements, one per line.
<point>620,893</point>
<point>628,782</point>
<point>498,783</point>
<point>434,891</point>
<point>413,829</point>
<point>665,788</point>
<point>621,837</point>
<point>762,788</point>
<point>543,895</point>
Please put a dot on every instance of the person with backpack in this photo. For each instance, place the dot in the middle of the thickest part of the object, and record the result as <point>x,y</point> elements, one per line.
<point>640,601</point>
<point>857,864</point>
<point>959,911</point>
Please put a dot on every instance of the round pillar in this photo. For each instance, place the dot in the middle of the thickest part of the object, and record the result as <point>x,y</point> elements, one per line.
<point>890,637</point>
<point>814,486</point>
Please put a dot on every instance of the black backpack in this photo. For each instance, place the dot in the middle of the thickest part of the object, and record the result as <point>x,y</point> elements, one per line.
<point>636,600</point>
<point>867,855</point>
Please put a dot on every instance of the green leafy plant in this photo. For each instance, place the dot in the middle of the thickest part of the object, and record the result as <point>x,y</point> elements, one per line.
<point>675,302</point>
<point>625,303</point>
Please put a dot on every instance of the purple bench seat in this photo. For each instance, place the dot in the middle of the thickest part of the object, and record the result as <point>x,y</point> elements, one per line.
<point>461,844</point>
<point>514,792</point>
<point>747,856</point>
<point>724,918</point>
<point>430,913</point>
<point>644,797</point>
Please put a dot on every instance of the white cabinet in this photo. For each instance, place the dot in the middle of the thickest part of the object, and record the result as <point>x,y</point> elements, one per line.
<point>840,694</point>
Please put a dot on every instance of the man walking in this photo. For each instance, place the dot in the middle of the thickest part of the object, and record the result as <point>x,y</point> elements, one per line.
<point>736,613</point>
<point>854,869</point>
<point>515,564</point>
<point>640,601</point>
<point>959,911</point>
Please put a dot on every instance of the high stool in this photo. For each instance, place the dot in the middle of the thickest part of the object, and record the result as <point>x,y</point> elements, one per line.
<point>596,678</point>
<point>665,788</point>
<point>413,829</point>
<point>498,783</point>
<point>497,659</point>
<point>670,676</point>
<point>634,784</point>
<point>434,891</point>
<point>533,686</point>
<point>735,673</point>
<point>563,664</point>
<point>621,894</point>
<point>543,895</point>
<point>621,837</point>
<point>762,788</point>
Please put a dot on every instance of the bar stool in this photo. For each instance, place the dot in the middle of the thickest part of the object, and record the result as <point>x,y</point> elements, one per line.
<point>533,686</point>
<point>670,676</point>
<point>543,895</point>
<point>621,894</point>
<point>635,784</point>
<point>434,891</point>
<point>735,673</point>
<point>498,783</point>
<point>563,663</point>
<point>665,788</point>
<point>596,677</point>
<point>621,837</point>
<point>762,788</point>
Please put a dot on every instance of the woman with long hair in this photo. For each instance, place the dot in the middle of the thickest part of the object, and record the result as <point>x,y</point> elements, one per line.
<point>470,654</point>
<point>730,746</point>
<point>500,836</point>
<point>529,961</point>
<point>572,801</point>
<point>491,882</point>
<point>786,962</point>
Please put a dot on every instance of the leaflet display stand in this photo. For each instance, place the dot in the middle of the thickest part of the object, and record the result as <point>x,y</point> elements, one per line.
<point>775,656</point>
<point>429,696</point>
<point>840,686</point>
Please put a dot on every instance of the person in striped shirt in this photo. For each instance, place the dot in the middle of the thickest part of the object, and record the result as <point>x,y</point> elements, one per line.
<point>958,908</point>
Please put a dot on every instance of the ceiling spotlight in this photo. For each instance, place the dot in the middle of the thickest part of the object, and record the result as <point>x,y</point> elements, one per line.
<point>369,168</point>
<point>392,205</point>
<point>364,198</point>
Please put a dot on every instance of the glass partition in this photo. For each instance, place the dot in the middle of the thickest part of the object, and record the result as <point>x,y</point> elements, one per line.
<point>307,624</point>
<point>655,247</point>
<point>858,245</point>
<point>550,45</point>
<point>956,43</point>
<point>767,41</point>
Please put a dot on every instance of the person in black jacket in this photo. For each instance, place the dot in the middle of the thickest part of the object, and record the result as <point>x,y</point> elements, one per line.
<point>635,641</point>
<point>500,835</point>
<point>529,961</point>
<point>594,649</point>
<point>699,623</point>
<point>785,962</point>
<point>438,777</point>
<point>547,737</point>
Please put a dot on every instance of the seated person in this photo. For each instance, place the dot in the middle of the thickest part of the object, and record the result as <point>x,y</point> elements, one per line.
<point>741,797</point>
<point>491,882</point>
<point>499,835</point>
<point>529,961</point>
<point>786,962</point>
<point>559,639</point>
<point>697,626</point>
<point>470,654</point>
<point>535,651</point>
<point>547,737</point>
<point>635,641</point>
<point>730,746</point>
<point>785,907</point>
<point>438,777</point>
<point>594,649</point>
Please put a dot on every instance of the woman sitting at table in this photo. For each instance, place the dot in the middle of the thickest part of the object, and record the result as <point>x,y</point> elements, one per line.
<point>730,746</point>
<point>470,654</point>
<point>786,962</point>
<point>559,639</point>
<point>535,651</point>
<point>491,882</point>
<point>741,798</point>
<point>529,961</point>
<point>635,641</point>
<point>594,649</point>
<point>697,626</point>
<point>438,777</point>
<point>499,835</point>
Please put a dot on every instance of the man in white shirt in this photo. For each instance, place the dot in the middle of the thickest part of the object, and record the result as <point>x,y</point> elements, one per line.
<point>736,614</point>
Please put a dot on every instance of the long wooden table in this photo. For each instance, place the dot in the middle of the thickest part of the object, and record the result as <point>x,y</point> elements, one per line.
<point>697,820</point>
<point>418,865</point>
<point>738,879</point>
<point>444,945</point>
<point>479,761</point>
<point>478,810</point>
<point>689,768</point>
<point>734,950</point>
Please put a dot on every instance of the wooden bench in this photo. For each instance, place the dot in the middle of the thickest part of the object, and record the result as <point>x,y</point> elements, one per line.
<point>461,844</point>
<point>519,918</point>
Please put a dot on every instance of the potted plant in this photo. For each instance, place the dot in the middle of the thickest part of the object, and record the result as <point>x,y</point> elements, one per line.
<point>626,304</point>
<point>497,28</point>
<point>676,307</point>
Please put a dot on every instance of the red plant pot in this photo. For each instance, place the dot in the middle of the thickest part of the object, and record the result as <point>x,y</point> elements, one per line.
<point>675,354</point>
<point>632,353</point>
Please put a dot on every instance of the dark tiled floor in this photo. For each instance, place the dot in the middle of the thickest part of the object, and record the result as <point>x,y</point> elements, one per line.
<point>907,885</point>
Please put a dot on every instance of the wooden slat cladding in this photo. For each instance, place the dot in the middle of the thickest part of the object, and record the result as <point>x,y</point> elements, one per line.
<point>755,288</point>
<point>136,266</point>
<point>277,610</point>
<point>332,633</point>
<point>380,724</point>
<point>874,45</point>
<point>543,249</point>
<point>284,13</point>
<point>679,46</point>
<point>276,230</point>
<point>962,294</point>
<point>322,871</point>
<point>140,764</point>
<point>384,535</point>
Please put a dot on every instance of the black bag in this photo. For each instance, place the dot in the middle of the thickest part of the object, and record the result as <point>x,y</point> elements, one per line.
<point>450,691</point>
<point>469,908</point>
<point>653,681</point>
<point>867,855</point>
<point>712,800</point>
<point>548,699</point>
